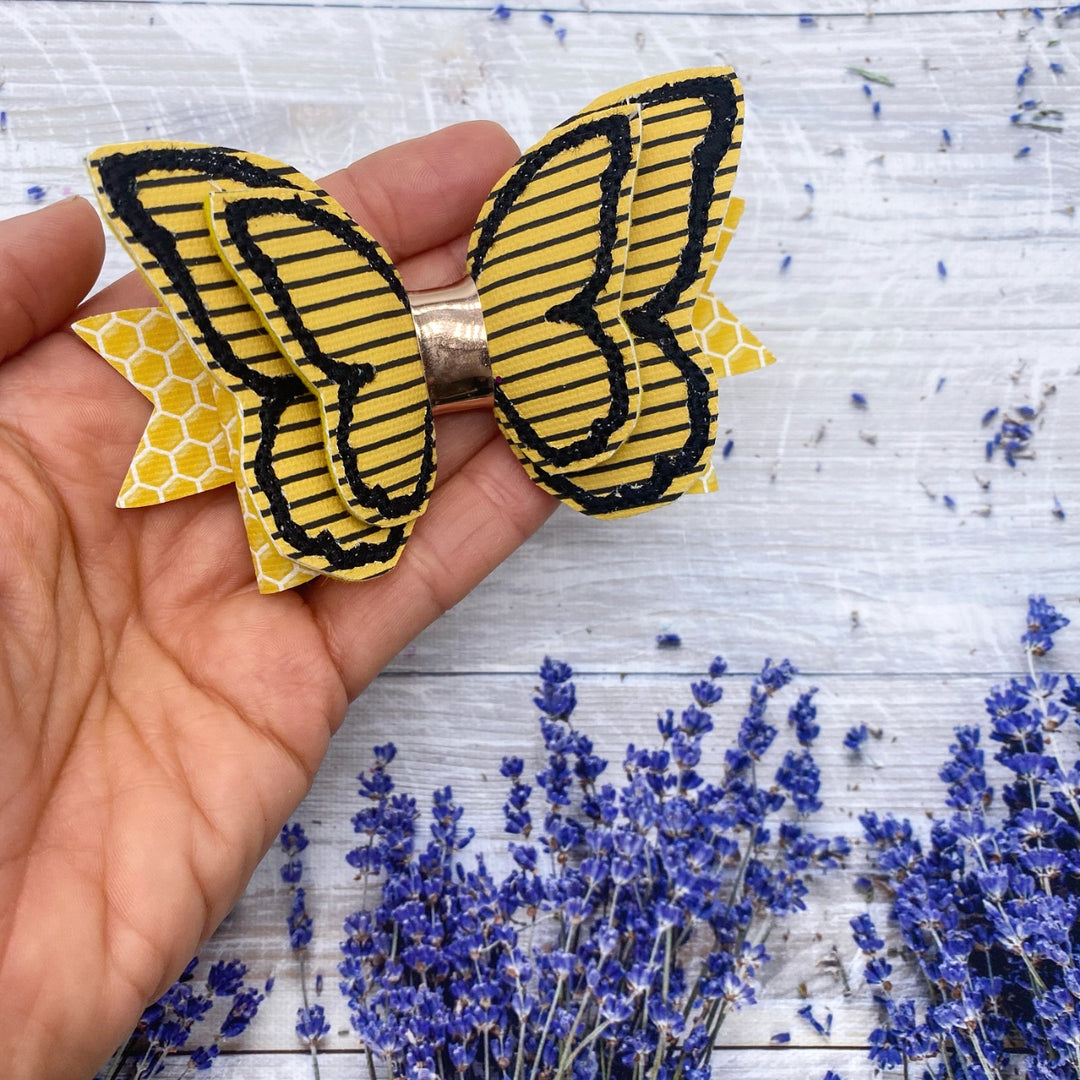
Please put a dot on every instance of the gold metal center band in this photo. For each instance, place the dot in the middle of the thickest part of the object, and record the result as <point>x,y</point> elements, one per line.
<point>453,346</point>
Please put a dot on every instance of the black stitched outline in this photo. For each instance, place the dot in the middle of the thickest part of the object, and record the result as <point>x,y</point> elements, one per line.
<point>646,320</point>
<point>350,378</point>
<point>579,310</point>
<point>322,544</point>
<point>120,175</point>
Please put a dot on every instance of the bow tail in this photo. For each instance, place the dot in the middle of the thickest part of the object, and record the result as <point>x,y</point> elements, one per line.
<point>274,572</point>
<point>731,346</point>
<point>183,450</point>
<point>728,343</point>
<point>192,438</point>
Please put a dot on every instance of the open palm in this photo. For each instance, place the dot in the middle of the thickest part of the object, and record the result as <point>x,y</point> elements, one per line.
<point>160,719</point>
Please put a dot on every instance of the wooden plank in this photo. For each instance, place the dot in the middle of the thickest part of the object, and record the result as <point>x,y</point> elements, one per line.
<point>887,204</point>
<point>843,560</point>
<point>360,78</point>
<point>752,1063</point>
<point>522,9</point>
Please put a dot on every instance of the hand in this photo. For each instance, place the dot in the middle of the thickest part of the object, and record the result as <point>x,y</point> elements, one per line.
<point>160,719</point>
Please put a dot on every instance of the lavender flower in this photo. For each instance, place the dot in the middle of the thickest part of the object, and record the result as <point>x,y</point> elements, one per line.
<point>293,839</point>
<point>203,1058</point>
<point>1043,622</point>
<point>578,963</point>
<point>244,1007</point>
<point>226,977</point>
<point>802,716</point>
<point>1015,433</point>
<point>821,1027</point>
<point>856,737</point>
<point>311,1024</point>
<point>299,921</point>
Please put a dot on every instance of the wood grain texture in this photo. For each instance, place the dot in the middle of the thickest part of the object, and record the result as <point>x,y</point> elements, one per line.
<point>863,9</point>
<point>829,541</point>
<point>786,1065</point>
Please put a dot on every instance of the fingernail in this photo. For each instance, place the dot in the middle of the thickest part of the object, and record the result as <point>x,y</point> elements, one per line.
<point>65,201</point>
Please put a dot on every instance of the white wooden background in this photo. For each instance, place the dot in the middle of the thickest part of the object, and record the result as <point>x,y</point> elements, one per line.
<point>829,542</point>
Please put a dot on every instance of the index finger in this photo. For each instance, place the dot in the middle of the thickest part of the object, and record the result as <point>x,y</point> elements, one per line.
<point>425,192</point>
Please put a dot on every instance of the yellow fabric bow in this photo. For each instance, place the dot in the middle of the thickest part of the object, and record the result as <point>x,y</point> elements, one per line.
<point>284,357</point>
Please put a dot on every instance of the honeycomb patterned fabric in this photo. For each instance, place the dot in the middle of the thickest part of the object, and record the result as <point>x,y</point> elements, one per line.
<point>283,358</point>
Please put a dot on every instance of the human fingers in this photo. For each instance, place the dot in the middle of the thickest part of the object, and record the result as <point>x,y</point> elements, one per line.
<point>419,199</point>
<point>49,261</point>
<point>425,193</point>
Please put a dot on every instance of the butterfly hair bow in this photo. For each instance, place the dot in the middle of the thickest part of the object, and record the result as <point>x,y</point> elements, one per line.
<point>286,356</point>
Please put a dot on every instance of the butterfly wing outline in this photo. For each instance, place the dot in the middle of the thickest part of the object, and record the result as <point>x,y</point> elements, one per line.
<point>689,135</point>
<point>548,256</point>
<point>336,309</point>
<point>255,311</point>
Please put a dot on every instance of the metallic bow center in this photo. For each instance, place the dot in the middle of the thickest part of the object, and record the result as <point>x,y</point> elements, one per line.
<point>453,346</point>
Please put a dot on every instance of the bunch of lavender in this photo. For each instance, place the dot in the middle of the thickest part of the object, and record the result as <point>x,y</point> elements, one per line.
<point>166,1026</point>
<point>988,910</point>
<point>630,925</point>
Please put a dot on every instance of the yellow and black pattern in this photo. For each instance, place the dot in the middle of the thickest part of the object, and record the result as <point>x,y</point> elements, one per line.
<point>593,258</point>
<point>690,126</point>
<point>338,312</point>
<point>156,198</point>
